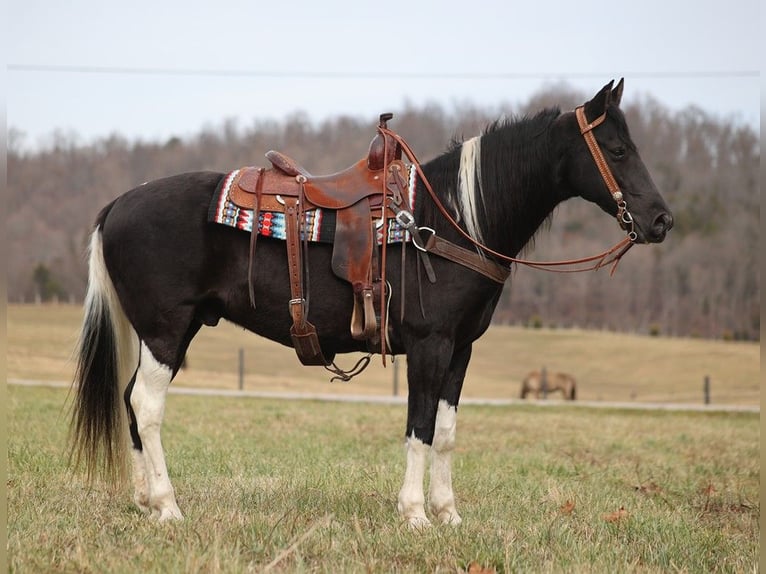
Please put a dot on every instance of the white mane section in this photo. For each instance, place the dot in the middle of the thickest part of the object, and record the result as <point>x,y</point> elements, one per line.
<point>469,186</point>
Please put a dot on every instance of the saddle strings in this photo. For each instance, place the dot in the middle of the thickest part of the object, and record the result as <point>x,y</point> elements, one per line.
<point>384,251</point>
<point>346,376</point>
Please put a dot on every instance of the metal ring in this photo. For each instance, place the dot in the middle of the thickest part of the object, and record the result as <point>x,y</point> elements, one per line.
<point>415,243</point>
<point>627,218</point>
<point>633,236</point>
<point>282,201</point>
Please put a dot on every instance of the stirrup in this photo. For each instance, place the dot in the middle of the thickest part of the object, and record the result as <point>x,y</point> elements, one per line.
<point>364,323</point>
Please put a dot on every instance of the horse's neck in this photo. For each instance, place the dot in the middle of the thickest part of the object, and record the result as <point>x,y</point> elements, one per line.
<point>500,194</point>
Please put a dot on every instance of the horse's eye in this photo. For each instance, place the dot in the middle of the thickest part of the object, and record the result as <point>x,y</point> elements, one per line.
<point>619,152</point>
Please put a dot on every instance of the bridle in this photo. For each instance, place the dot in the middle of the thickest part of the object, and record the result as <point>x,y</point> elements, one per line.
<point>624,218</point>
<point>479,263</point>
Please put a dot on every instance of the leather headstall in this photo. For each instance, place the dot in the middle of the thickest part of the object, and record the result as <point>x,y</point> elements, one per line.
<point>624,218</point>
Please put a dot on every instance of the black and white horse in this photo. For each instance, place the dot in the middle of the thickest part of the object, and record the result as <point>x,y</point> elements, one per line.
<point>154,282</point>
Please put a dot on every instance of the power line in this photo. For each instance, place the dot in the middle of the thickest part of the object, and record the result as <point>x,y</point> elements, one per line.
<point>361,75</point>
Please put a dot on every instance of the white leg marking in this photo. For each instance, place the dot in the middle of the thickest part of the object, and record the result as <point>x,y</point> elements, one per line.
<point>140,484</point>
<point>148,402</point>
<point>441,497</point>
<point>469,186</point>
<point>411,497</point>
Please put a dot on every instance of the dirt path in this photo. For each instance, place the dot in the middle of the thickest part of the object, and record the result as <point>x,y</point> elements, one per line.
<point>397,400</point>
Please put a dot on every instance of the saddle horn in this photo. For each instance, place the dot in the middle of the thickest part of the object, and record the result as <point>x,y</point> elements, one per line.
<point>376,158</point>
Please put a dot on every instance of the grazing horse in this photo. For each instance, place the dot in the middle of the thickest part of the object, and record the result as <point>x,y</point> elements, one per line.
<point>155,280</point>
<point>537,382</point>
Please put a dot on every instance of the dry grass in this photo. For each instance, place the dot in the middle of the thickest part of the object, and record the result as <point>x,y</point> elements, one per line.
<point>293,486</point>
<point>607,366</point>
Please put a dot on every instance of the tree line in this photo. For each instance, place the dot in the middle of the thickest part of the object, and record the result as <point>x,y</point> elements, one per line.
<point>703,281</point>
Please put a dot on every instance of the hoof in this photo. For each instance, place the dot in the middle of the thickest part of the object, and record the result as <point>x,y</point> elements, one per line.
<point>142,502</point>
<point>167,514</point>
<point>418,523</point>
<point>451,518</point>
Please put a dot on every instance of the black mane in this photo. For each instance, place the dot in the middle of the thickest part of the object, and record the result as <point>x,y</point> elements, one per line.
<point>516,180</point>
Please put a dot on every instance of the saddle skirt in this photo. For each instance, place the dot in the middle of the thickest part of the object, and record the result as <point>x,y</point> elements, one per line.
<point>319,223</point>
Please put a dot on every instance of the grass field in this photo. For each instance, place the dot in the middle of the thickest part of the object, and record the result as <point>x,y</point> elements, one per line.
<point>295,486</point>
<point>607,366</point>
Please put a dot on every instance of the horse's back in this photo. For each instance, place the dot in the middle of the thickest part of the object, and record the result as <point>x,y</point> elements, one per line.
<point>168,204</point>
<point>164,197</point>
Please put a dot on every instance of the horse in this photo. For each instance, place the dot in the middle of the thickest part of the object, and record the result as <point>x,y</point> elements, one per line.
<point>554,382</point>
<point>155,281</point>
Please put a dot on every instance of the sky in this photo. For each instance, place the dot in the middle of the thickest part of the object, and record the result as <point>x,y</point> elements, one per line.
<point>151,70</point>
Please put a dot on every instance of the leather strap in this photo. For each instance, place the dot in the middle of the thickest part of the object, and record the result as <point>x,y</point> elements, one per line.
<point>303,334</point>
<point>467,258</point>
<point>254,236</point>
<point>297,303</point>
<point>624,218</point>
<point>398,186</point>
<point>586,129</point>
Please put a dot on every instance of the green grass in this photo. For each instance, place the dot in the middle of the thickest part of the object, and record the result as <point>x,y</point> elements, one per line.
<point>607,366</point>
<point>311,487</point>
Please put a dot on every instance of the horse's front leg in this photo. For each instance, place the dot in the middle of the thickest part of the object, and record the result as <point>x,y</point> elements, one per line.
<point>429,422</point>
<point>441,496</point>
<point>411,503</point>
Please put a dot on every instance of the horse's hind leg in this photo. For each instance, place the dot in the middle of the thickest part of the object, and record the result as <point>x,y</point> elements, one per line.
<point>140,481</point>
<point>146,396</point>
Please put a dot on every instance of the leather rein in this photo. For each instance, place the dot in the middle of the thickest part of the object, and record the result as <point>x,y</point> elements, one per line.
<point>498,272</point>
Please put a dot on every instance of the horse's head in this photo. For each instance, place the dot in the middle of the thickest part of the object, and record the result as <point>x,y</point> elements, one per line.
<point>608,170</point>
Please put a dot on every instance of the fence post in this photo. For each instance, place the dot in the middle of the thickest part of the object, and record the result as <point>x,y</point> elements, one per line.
<point>241,368</point>
<point>544,382</point>
<point>396,377</point>
<point>706,389</point>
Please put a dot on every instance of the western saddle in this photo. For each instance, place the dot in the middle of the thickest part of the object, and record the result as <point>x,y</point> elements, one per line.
<point>372,189</point>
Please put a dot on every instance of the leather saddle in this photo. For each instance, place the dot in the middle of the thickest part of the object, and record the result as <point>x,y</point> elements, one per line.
<point>357,195</point>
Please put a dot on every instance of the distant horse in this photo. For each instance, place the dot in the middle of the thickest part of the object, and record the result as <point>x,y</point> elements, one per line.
<point>554,382</point>
<point>159,271</point>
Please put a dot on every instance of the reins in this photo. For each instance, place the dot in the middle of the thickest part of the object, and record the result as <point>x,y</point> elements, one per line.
<point>610,256</point>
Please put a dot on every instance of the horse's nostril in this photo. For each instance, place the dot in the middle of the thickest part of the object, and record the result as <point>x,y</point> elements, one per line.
<point>662,223</point>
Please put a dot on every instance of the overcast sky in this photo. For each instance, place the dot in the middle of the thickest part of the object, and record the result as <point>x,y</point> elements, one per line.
<point>155,69</point>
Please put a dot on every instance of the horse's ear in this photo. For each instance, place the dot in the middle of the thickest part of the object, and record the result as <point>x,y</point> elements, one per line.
<point>617,92</point>
<point>597,106</point>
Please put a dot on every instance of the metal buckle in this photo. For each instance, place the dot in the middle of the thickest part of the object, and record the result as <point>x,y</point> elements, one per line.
<point>405,219</point>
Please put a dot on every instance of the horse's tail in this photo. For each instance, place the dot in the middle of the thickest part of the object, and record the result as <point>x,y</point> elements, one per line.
<point>107,356</point>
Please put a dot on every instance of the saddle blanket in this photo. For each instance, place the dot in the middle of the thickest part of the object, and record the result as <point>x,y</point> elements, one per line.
<point>319,223</point>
